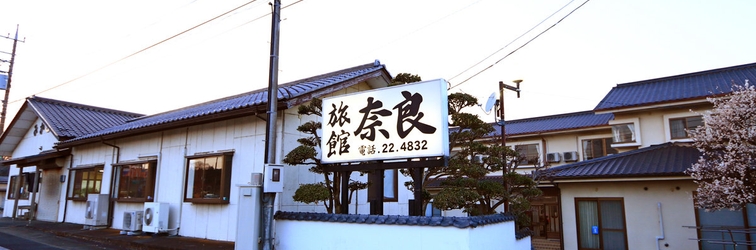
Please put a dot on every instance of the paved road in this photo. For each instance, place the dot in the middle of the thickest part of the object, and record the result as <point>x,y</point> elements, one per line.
<point>15,236</point>
<point>13,242</point>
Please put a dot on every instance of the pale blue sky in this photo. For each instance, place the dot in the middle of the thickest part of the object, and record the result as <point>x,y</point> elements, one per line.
<point>567,69</point>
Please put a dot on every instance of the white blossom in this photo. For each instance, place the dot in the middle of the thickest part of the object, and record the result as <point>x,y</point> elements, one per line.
<point>725,173</point>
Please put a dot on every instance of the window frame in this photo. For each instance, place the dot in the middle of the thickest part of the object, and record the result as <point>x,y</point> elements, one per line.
<point>668,125</point>
<point>525,161</point>
<point>75,175</point>
<point>744,215</point>
<point>23,193</point>
<point>598,211</point>
<point>224,197</point>
<point>149,189</point>
<point>606,143</point>
<point>636,132</point>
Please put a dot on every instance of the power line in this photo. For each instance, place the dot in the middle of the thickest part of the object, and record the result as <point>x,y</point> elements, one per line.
<point>141,50</point>
<point>521,46</point>
<point>514,40</point>
<point>268,14</point>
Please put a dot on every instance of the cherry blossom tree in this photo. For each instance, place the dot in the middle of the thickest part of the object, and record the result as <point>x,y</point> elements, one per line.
<point>726,171</point>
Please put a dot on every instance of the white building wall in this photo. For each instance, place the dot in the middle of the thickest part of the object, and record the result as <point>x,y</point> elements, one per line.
<point>641,213</point>
<point>330,235</point>
<point>86,155</point>
<point>245,136</point>
<point>32,144</point>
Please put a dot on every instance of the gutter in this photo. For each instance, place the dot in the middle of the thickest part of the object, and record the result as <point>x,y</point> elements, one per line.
<point>111,202</point>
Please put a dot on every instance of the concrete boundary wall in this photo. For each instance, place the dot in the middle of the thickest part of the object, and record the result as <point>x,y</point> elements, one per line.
<point>339,231</point>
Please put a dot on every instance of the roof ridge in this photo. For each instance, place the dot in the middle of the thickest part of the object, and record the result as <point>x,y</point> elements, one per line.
<point>82,106</point>
<point>341,71</point>
<point>281,87</point>
<point>615,156</point>
<point>552,116</point>
<point>705,72</point>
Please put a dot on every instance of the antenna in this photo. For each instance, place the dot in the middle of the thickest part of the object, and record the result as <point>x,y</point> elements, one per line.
<point>490,103</point>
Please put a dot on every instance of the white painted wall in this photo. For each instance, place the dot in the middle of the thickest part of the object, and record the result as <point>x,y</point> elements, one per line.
<point>334,235</point>
<point>245,136</point>
<point>654,125</point>
<point>31,144</point>
<point>641,213</point>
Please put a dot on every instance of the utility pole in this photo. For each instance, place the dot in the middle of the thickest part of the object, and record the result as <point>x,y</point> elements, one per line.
<point>268,198</point>
<point>502,125</point>
<point>10,77</point>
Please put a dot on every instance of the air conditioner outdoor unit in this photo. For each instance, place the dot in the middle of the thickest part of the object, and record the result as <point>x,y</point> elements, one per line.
<point>132,220</point>
<point>553,157</point>
<point>570,156</point>
<point>155,217</point>
<point>96,213</point>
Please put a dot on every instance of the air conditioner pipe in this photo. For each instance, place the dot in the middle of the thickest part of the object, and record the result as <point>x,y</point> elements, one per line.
<point>661,226</point>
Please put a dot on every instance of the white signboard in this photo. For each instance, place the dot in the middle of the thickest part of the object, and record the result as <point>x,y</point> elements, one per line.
<point>399,122</point>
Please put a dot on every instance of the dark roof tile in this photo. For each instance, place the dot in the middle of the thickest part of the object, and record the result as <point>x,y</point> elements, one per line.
<point>70,120</point>
<point>697,85</point>
<point>552,123</point>
<point>669,159</point>
<point>257,98</point>
<point>458,222</point>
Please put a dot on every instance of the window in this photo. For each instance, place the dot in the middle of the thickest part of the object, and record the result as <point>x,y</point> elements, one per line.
<point>135,181</point>
<point>85,181</point>
<point>678,126</point>
<point>528,154</point>
<point>209,179</point>
<point>623,133</point>
<point>599,147</point>
<point>22,192</point>
<point>390,177</point>
<point>723,227</point>
<point>601,223</point>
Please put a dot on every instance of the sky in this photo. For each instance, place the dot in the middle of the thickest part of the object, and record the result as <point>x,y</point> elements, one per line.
<point>109,53</point>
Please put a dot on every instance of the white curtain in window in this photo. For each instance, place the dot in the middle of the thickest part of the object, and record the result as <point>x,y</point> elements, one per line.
<point>623,133</point>
<point>677,128</point>
<point>588,214</point>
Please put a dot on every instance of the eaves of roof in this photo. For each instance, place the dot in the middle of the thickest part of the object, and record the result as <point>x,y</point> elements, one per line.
<point>553,123</point>
<point>64,119</point>
<point>668,159</point>
<point>245,104</point>
<point>679,88</point>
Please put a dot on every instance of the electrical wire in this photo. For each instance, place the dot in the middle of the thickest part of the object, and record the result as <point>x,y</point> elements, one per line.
<point>141,50</point>
<point>514,40</point>
<point>268,14</point>
<point>521,46</point>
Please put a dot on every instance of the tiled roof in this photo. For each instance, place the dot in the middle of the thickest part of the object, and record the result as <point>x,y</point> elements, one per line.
<point>459,222</point>
<point>552,123</point>
<point>684,87</point>
<point>668,159</point>
<point>70,120</point>
<point>290,94</point>
<point>65,120</point>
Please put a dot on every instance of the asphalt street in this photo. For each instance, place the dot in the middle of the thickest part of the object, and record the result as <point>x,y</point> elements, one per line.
<point>14,235</point>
